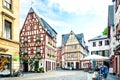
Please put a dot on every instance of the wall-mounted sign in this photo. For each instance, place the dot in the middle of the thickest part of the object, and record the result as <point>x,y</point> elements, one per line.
<point>3,49</point>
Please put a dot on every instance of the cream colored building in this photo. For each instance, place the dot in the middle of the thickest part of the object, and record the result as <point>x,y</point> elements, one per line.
<point>73,49</point>
<point>9,35</point>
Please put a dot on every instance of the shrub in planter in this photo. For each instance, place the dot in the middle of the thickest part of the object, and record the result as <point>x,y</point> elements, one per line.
<point>36,69</point>
<point>41,69</point>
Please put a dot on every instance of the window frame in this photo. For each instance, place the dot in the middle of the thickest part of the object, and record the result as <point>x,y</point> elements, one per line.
<point>107,42</point>
<point>100,43</point>
<point>7,5</point>
<point>5,31</point>
<point>94,44</point>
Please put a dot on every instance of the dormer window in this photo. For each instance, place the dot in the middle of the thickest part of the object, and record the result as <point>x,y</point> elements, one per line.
<point>8,4</point>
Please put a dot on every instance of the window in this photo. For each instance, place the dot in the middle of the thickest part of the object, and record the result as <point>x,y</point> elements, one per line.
<point>7,30</point>
<point>7,3</point>
<point>74,46</point>
<point>36,63</point>
<point>100,43</point>
<point>106,42</point>
<point>94,44</point>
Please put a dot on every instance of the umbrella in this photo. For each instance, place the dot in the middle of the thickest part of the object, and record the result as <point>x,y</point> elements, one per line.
<point>95,57</point>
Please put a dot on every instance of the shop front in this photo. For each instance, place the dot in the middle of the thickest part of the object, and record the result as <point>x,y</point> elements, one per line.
<point>116,67</point>
<point>9,54</point>
<point>5,64</point>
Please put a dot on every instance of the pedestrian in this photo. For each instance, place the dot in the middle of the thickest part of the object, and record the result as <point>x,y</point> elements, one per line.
<point>104,71</point>
<point>95,74</point>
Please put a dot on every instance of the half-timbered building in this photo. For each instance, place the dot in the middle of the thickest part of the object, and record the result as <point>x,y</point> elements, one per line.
<point>38,44</point>
<point>73,49</point>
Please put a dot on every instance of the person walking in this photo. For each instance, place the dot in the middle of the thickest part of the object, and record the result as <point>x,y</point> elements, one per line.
<point>104,71</point>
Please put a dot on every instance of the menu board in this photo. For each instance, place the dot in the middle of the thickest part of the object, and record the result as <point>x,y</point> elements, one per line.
<point>5,64</point>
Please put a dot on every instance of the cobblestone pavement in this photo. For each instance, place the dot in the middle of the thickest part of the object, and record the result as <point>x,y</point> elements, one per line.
<point>53,75</point>
<point>57,75</point>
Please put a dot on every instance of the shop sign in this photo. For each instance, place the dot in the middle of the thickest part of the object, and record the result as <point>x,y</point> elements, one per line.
<point>3,49</point>
<point>117,53</point>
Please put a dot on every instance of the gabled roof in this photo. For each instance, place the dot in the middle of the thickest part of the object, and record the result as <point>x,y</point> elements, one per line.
<point>31,10</point>
<point>78,36</point>
<point>99,37</point>
<point>44,24</point>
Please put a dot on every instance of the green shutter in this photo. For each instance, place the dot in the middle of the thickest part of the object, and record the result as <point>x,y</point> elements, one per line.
<point>91,52</point>
<point>96,52</point>
<point>103,53</point>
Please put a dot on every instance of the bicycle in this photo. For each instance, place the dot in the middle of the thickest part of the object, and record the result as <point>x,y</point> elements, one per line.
<point>19,73</point>
<point>101,77</point>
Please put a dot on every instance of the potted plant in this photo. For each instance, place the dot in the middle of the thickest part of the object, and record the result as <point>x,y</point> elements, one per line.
<point>36,69</point>
<point>41,69</point>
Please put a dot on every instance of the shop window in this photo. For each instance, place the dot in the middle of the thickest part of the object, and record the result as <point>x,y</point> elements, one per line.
<point>5,65</point>
<point>8,4</point>
<point>8,30</point>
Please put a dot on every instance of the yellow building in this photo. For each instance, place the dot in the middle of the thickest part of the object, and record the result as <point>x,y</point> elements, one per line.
<point>9,35</point>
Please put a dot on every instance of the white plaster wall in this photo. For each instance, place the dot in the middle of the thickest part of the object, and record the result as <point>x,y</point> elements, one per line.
<point>103,47</point>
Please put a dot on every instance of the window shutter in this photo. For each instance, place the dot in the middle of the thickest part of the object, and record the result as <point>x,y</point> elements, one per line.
<point>91,52</point>
<point>103,53</point>
<point>96,52</point>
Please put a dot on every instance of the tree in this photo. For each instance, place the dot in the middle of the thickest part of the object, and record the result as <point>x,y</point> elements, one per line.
<point>105,32</point>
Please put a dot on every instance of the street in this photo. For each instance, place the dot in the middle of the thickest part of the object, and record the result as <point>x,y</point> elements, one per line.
<point>59,74</point>
<point>53,75</point>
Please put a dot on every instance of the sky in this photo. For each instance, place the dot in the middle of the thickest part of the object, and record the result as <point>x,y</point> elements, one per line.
<point>81,16</point>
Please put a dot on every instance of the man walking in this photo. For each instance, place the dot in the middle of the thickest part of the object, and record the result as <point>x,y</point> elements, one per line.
<point>104,71</point>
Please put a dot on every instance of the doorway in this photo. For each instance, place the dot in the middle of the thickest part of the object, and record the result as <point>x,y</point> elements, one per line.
<point>25,67</point>
<point>77,65</point>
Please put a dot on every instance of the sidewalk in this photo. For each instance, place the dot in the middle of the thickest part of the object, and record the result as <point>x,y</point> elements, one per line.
<point>112,77</point>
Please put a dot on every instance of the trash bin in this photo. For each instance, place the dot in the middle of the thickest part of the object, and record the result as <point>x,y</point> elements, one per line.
<point>89,75</point>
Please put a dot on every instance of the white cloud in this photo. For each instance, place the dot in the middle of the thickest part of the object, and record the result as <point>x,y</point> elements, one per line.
<point>90,29</point>
<point>81,6</point>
